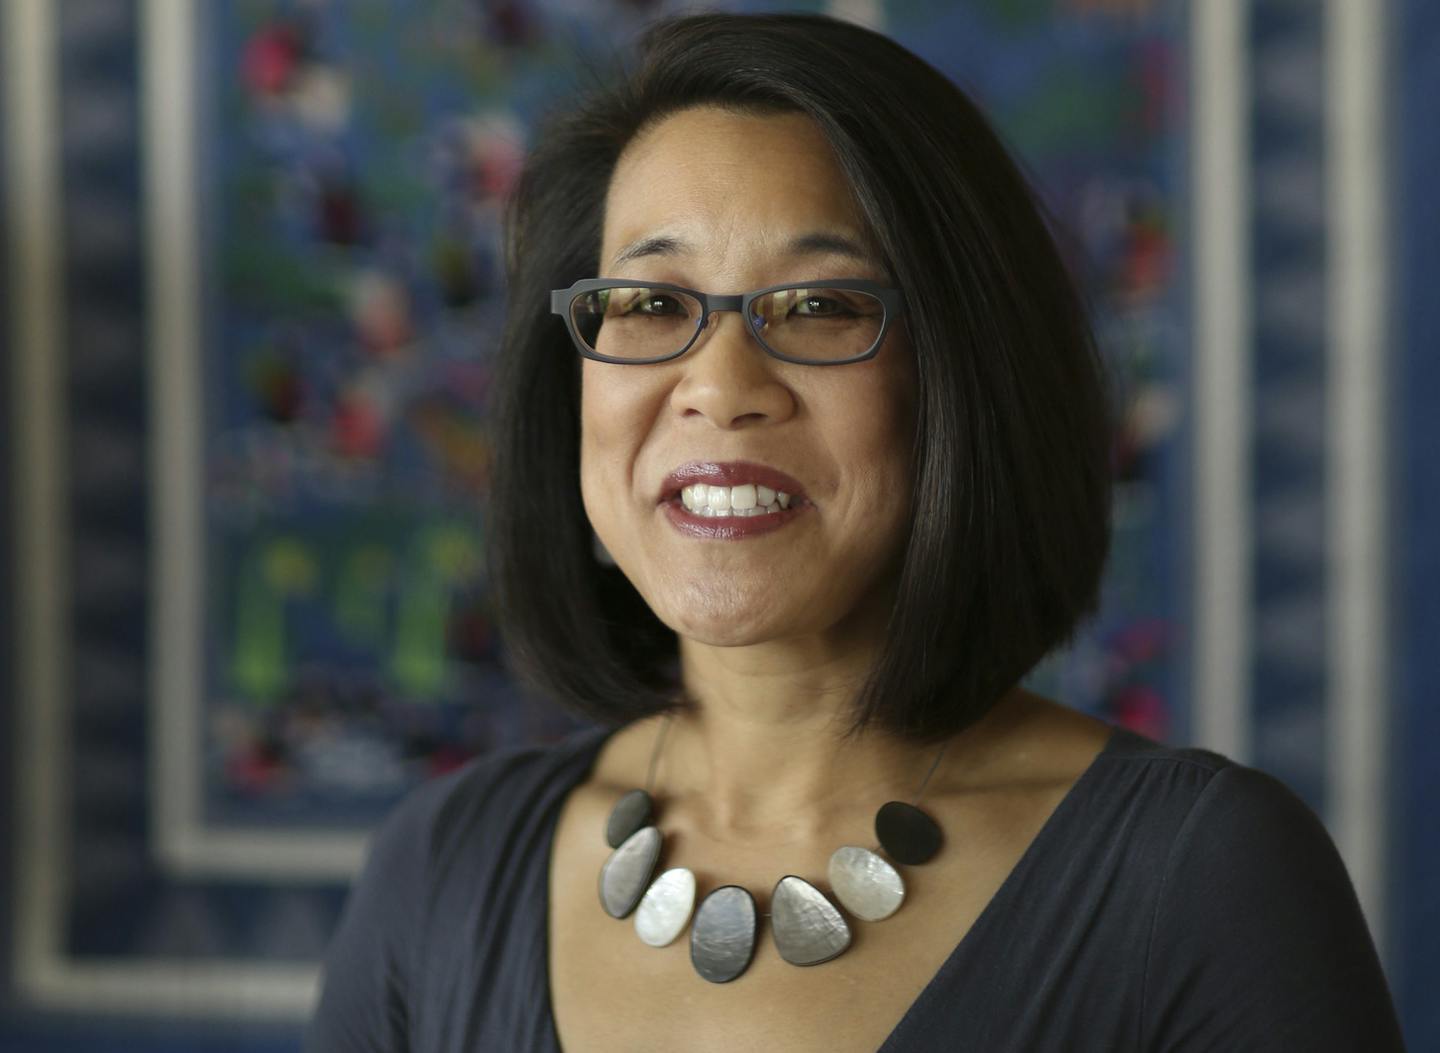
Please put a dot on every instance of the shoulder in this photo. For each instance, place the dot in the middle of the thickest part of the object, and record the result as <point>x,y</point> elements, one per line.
<point>1206,810</point>
<point>434,857</point>
<point>1185,825</point>
<point>1209,793</point>
<point>1255,930</point>
<point>1240,837</point>
<point>454,836</point>
<point>1041,742</point>
<point>484,796</point>
<point>1215,834</point>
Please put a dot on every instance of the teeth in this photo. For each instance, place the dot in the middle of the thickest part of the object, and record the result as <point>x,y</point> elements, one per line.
<point>748,499</point>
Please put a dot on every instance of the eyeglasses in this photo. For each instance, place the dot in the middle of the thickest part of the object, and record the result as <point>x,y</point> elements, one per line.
<point>633,323</point>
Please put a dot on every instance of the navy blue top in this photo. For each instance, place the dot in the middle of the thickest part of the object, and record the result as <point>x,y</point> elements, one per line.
<point>1174,900</point>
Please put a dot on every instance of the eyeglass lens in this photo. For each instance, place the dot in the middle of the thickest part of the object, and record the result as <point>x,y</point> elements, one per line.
<point>636,322</point>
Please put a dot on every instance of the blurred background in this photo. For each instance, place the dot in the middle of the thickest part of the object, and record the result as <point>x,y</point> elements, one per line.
<point>250,290</point>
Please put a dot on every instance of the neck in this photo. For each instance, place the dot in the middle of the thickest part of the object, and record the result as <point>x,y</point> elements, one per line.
<point>760,757</point>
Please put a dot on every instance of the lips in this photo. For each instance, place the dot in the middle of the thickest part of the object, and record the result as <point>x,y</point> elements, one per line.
<point>728,473</point>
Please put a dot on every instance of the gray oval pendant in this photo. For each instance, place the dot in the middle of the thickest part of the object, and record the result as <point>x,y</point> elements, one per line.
<point>666,907</point>
<point>808,929</point>
<point>866,885</point>
<point>626,873</point>
<point>630,813</point>
<point>722,940</point>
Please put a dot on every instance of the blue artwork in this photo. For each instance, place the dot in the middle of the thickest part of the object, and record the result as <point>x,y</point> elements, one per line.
<point>358,158</point>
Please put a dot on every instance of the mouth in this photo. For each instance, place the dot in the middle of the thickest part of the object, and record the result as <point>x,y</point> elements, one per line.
<point>732,488</point>
<point>731,500</point>
<point>741,502</point>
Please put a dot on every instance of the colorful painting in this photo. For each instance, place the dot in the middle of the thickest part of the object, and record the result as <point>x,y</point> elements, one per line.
<point>356,160</point>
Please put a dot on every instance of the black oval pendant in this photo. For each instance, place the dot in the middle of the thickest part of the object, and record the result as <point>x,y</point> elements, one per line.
<point>907,834</point>
<point>630,813</point>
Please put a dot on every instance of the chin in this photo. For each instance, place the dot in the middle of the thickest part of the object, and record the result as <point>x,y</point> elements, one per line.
<point>717,636</point>
<point>723,617</point>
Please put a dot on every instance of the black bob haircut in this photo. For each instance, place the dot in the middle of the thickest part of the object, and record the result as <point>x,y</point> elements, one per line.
<point>1011,493</point>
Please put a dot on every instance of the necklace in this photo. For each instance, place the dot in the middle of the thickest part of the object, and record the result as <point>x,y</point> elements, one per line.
<point>807,927</point>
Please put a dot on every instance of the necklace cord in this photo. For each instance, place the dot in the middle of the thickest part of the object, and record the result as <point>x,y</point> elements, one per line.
<point>933,765</point>
<point>655,753</point>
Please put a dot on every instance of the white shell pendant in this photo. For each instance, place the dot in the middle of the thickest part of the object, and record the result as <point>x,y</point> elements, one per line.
<point>666,906</point>
<point>866,885</point>
<point>808,929</point>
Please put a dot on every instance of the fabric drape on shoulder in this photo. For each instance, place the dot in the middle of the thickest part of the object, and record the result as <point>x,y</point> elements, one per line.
<point>365,989</point>
<point>1258,940</point>
<point>442,944</point>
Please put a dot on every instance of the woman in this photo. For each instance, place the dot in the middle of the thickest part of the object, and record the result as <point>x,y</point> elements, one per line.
<point>841,437</point>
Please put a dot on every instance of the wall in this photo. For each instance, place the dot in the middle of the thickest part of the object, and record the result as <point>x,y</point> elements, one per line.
<point>1121,111</point>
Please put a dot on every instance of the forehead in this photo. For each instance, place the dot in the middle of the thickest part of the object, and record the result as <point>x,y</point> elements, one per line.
<point>711,177</point>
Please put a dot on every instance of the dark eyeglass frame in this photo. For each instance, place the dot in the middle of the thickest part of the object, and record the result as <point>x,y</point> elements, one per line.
<point>890,299</point>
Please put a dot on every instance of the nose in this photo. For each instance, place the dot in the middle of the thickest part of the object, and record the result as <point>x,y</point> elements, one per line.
<point>729,379</point>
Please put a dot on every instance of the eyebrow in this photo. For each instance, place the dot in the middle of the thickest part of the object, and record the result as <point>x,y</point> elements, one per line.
<point>815,243</point>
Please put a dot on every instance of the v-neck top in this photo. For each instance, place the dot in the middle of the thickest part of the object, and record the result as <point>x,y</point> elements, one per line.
<point>1173,900</point>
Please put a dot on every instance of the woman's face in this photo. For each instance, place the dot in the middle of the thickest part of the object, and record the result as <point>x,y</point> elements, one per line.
<point>724,203</point>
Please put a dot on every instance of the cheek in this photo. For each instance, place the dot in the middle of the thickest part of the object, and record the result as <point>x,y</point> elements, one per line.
<point>880,431</point>
<point>612,429</point>
<point>595,439</point>
<point>902,389</point>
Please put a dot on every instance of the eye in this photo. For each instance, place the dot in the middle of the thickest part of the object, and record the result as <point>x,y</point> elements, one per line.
<point>657,305</point>
<point>816,306</point>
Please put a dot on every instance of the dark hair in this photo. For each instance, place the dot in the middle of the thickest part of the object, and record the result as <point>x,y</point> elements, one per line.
<point>1012,481</point>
